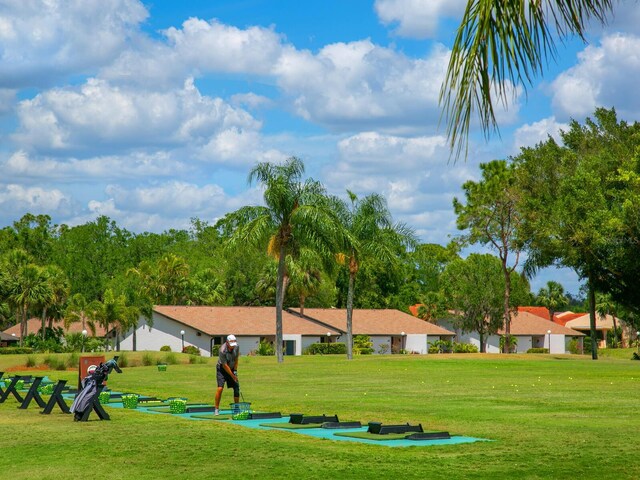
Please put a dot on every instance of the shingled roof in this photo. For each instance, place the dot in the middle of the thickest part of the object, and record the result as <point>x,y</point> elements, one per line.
<point>375,321</point>
<point>242,320</point>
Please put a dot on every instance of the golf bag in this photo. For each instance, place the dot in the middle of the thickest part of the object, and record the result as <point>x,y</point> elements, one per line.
<point>92,385</point>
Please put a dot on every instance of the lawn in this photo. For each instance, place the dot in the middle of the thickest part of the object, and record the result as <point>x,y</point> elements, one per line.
<point>549,416</point>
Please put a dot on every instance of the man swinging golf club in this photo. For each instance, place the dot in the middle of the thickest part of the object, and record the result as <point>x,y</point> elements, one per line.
<point>227,370</point>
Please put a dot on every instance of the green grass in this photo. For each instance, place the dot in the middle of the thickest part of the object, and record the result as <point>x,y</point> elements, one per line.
<point>550,416</point>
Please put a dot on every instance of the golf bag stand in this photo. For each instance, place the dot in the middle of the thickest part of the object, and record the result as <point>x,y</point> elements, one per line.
<point>88,397</point>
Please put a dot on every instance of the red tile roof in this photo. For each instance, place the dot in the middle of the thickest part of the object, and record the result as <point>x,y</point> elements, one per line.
<point>542,312</point>
<point>526,323</point>
<point>34,324</point>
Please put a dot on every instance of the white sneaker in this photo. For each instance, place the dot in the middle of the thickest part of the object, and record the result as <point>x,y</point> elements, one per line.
<point>216,412</point>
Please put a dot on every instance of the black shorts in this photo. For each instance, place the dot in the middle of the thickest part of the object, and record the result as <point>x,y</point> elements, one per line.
<point>223,377</point>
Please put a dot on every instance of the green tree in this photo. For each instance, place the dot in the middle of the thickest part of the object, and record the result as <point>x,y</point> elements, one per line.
<point>491,217</point>
<point>580,206</point>
<point>371,234</point>
<point>114,313</point>
<point>500,46</point>
<point>480,309</point>
<point>78,311</point>
<point>552,296</point>
<point>296,213</point>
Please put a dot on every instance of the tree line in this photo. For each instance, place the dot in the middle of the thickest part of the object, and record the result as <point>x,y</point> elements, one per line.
<point>574,204</point>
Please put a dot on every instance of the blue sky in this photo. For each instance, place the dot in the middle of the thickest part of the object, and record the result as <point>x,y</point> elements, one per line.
<point>153,113</point>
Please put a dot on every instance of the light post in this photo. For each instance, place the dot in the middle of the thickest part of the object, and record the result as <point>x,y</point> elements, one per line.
<point>182,335</point>
<point>84,335</point>
<point>328,337</point>
<point>549,333</point>
<point>402,343</point>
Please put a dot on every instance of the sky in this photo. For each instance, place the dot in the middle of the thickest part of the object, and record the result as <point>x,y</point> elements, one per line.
<point>153,113</point>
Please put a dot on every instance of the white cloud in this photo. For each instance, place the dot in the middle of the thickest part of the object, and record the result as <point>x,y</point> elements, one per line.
<point>604,77</point>
<point>360,84</point>
<point>44,39</point>
<point>156,208</point>
<point>99,114</point>
<point>418,18</point>
<point>16,200</point>
<point>251,100</point>
<point>138,165</point>
<point>530,134</point>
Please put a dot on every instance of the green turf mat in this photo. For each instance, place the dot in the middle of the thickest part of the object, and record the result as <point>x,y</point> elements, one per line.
<point>291,426</point>
<point>211,416</point>
<point>373,436</point>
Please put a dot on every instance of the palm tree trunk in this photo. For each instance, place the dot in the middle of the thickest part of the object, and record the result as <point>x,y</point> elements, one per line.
<point>43,318</point>
<point>302,300</point>
<point>23,324</point>
<point>279,302</point>
<point>592,320</point>
<point>352,281</point>
<point>135,338</point>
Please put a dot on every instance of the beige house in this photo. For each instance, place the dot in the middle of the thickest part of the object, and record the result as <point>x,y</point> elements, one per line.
<point>204,327</point>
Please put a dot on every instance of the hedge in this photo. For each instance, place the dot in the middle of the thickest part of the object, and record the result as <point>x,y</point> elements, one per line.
<point>15,350</point>
<point>327,349</point>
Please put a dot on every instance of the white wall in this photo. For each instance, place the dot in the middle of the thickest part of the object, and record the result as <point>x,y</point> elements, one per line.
<point>524,343</point>
<point>557,343</point>
<point>417,343</point>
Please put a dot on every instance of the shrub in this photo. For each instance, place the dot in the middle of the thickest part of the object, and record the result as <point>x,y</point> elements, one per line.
<point>513,343</point>
<point>538,350</point>
<point>15,350</point>
<point>165,348</point>
<point>574,346</point>
<point>147,360</point>
<point>72,361</point>
<point>265,349</point>
<point>31,361</point>
<point>123,360</point>
<point>635,356</point>
<point>170,359</point>
<point>362,345</point>
<point>441,346</point>
<point>464,348</point>
<point>326,349</point>
<point>383,348</point>
<point>191,350</point>
<point>215,350</point>
<point>93,344</point>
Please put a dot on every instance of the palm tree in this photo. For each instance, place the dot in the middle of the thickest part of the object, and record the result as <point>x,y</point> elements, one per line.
<point>52,308</point>
<point>606,306</point>
<point>370,233</point>
<point>295,213</point>
<point>500,46</point>
<point>114,312</point>
<point>552,296</point>
<point>78,310</point>
<point>26,290</point>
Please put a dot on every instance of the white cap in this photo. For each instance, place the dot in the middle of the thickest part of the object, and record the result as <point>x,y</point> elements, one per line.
<point>232,340</point>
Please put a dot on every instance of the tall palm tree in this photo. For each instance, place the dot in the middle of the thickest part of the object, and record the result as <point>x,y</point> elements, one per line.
<point>370,233</point>
<point>26,290</point>
<point>113,312</point>
<point>606,306</point>
<point>552,296</point>
<point>78,310</point>
<point>52,308</point>
<point>295,213</point>
<point>500,46</point>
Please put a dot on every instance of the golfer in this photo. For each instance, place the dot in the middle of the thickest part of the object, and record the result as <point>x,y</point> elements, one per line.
<point>227,370</point>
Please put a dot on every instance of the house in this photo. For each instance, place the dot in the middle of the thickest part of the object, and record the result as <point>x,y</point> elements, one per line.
<point>530,331</point>
<point>204,327</point>
<point>8,340</point>
<point>35,324</point>
<point>390,330</point>
<point>582,323</point>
